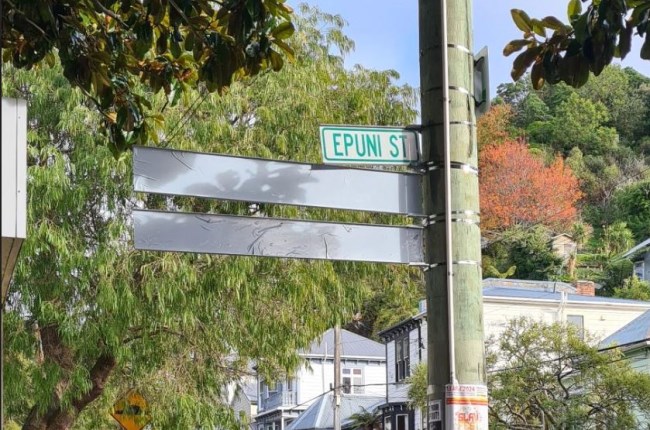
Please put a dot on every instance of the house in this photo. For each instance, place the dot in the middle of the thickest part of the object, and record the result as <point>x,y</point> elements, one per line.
<point>503,300</point>
<point>363,373</point>
<point>634,341</point>
<point>243,401</point>
<point>640,256</point>
<point>320,414</point>
<point>564,246</point>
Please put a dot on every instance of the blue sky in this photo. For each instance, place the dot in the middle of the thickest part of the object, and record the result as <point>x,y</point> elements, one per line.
<point>386,33</point>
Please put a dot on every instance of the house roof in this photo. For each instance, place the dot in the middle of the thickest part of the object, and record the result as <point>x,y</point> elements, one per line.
<point>554,286</point>
<point>320,414</point>
<point>557,296</point>
<point>525,290</point>
<point>636,331</point>
<point>352,345</point>
<point>249,389</point>
<point>637,248</point>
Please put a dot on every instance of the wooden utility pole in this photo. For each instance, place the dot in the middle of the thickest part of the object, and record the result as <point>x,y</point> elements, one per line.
<point>337,377</point>
<point>450,195</point>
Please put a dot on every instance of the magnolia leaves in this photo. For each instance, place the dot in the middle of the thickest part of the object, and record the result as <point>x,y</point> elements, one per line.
<point>118,53</point>
<point>557,52</point>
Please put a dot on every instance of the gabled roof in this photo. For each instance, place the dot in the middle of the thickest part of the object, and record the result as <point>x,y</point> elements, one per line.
<point>320,414</point>
<point>636,331</point>
<point>352,346</point>
<point>637,248</point>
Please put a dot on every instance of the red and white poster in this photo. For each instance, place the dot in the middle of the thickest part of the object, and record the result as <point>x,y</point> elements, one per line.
<point>466,407</point>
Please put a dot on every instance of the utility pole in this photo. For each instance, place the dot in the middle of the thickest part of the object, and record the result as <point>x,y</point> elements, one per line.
<point>337,377</point>
<point>450,195</point>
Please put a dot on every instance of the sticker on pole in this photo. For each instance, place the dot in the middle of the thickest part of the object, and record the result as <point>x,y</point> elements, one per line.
<point>131,411</point>
<point>466,407</point>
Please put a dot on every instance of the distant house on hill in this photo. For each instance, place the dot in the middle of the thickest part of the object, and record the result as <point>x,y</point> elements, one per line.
<point>640,256</point>
<point>564,246</point>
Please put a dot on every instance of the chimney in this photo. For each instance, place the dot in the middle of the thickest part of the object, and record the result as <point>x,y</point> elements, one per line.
<point>585,288</point>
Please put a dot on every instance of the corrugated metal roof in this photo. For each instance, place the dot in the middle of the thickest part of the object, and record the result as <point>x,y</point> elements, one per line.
<point>636,330</point>
<point>636,248</point>
<point>547,295</point>
<point>352,345</point>
<point>320,414</point>
<point>554,286</point>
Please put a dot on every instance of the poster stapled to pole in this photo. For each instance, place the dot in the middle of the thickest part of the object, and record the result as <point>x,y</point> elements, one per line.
<point>466,407</point>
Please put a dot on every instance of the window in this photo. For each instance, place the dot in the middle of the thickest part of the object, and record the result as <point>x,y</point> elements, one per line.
<point>639,268</point>
<point>402,362</point>
<point>402,422</point>
<point>387,423</point>
<point>352,381</point>
<point>289,384</point>
<point>578,321</point>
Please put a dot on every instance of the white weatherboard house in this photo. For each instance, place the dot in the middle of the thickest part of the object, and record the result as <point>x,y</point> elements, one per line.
<point>363,374</point>
<point>14,184</point>
<point>503,300</point>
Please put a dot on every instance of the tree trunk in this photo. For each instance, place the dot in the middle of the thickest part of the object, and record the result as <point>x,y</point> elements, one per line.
<point>55,418</point>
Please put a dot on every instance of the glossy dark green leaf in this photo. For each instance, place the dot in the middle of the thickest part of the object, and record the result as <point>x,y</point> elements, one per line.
<point>645,48</point>
<point>524,61</point>
<point>522,20</point>
<point>283,31</point>
<point>537,75</point>
<point>514,46</point>
<point>538,28</point>
<point>574,9</point>
<point>553,23</point>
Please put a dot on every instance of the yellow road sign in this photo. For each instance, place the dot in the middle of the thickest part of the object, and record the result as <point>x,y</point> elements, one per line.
<point>131,411</point>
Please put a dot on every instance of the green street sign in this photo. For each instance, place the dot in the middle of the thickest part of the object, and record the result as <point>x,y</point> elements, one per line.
<point>343,144</point>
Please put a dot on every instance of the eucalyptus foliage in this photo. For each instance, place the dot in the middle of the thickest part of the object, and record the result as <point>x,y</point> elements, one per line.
<point>89,317</point>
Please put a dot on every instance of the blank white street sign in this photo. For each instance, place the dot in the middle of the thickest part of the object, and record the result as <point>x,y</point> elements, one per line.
<point>269,237</point>
<point>183,173</point>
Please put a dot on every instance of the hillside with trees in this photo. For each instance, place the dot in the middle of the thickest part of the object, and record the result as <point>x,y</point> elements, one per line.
<point>599,134</point>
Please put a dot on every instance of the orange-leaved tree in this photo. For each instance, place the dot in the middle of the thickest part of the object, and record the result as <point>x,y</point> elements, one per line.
<point>517,188</point>
<point>494,126</point>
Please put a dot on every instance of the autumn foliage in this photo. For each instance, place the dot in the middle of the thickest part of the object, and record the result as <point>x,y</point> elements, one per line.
<point>494,125</point>
<point>517,188</point>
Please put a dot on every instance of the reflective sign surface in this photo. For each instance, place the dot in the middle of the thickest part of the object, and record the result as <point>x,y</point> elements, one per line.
<point>238,235</point>
<point>182,173</point>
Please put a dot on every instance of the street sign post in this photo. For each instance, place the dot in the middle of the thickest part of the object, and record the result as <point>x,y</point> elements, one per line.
<point>272,237</point>
<point>183,173</point>
<point>344,144</point>
<point>131,411</point>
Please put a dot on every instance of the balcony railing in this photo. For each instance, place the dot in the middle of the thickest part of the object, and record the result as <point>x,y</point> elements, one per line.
<point>276,400</point>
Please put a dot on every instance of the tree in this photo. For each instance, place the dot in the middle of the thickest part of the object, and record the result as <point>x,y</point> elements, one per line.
<point>89,317</point>
<point>546,376</point>
<point>495,126</point>
<point>365,419</point>
<point>634,289</point>
<point>632,205</point>
<point>524,252</point>
<point>516,188</point>
<point>106,47</point>
<point>589,43</point>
